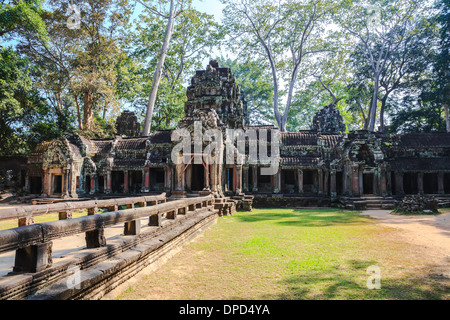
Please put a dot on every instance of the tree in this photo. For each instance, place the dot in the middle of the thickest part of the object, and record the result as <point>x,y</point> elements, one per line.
<point>380,30</point>
<point>256,86</point>
<point>406,67</point>
<point>194,36</point>
<point>22,14</point>
<point>176,7</point>
<point>80,65</point>
<point>442,60</point>
<point>287,34</point>
<point>24,116</point>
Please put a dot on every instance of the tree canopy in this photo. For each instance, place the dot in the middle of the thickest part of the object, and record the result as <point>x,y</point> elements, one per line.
<point>75,65</point>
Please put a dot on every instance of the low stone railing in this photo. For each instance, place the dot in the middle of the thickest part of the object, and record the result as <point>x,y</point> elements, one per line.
<point>26,214</point>
<point>102,266</point>
<point>33,243</point>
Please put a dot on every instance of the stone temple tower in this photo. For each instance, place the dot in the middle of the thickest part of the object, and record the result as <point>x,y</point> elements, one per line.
<point>216,89</point>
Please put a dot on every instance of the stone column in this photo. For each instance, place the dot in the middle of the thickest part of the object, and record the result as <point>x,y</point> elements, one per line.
<point>333,189</point>
<point>245,179</point>
<point>147,179</point>
<point>389,183</point>
<point>441,183</point>
<point>255,178</point>
<point>277,181</point>
<point>383,183</point>
<point>108,188</point>
<point>238,179</point>
<point>399,183</point>
<point>420,183</point>
<point>355,180</point>
<point>46,183</point>
<point>125,181</point>
<point>92,184</point>
<point>188,177</point>
<point>300,180</point>
<point>326,179</point>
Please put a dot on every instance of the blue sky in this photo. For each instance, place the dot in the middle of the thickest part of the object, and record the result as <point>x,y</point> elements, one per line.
<point>213,7</point>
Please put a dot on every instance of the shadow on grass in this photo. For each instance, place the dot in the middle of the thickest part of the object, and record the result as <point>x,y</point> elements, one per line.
<point>305,217</point>
<point>351,284</point>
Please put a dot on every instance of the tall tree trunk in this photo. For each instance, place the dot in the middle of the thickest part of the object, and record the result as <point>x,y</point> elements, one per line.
<point>88,111</point>
<point>80,123</point>
<point>158,71</point>
<point>383,106</point>
<point>373,108</point>
<point>447,117</point>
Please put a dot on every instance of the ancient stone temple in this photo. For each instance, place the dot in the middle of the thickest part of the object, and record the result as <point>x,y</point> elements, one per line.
<point>318,166</point>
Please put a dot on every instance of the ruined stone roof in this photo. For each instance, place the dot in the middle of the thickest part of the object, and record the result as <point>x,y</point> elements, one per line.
<point>163,136</point>
<point>300,161</point>
<point>425,140</point>
<point>419,164</point>
<point>103,146</point>
<point>131,144</point>
<point>128,163</point>
<point>331,140</point>
<point>304,138</point>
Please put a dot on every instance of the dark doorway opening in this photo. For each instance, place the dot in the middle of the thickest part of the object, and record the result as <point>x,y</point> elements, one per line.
<point>308,180</point>
<point>368,183</point>
<point>250,179</point>
<point>393,183</point>
<point>447,183</point>
<point>264,182</point>
<point>87,184</point>
<point>157,179</point>
<point>198,177</point>
<point>288,184</point>
<point>339,183</point>
<point>35,185</point>
<point>57,184</point>
<point>135,181</point>
<point>117,181</point>
<point>430,183</point>
<point>101,184</point>
<point>410,183</point>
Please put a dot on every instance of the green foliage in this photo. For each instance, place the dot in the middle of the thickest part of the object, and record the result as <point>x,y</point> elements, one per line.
<point>195,34</point>
<point>22,14</point>
<point>257,89</point>
<point>25,119</point>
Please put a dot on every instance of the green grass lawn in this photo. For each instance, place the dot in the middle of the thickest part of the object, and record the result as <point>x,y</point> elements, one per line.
<point>294,254</point>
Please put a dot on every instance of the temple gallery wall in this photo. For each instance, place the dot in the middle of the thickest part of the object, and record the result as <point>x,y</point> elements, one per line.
<point>323,163</point>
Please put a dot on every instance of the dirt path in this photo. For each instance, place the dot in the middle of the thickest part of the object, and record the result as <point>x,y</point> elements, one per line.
<point>430,232</point>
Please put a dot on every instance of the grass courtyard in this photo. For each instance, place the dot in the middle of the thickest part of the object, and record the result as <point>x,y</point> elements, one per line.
<point>294,254</point>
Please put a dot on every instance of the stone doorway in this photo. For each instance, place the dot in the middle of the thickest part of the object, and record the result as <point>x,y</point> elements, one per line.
<point>57,184</point>
<point>117,182</point>
<point>198,177</point>
<point>35,185</point>
<point>368,180</point>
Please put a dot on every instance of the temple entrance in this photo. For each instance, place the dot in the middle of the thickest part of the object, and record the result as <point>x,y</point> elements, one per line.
<point>35,185</point>
<point>308,180</point>
<point>447,183</point>
<point>198,177</point>
<point>410,183</point>
<point>117,181</point>
<point>157,179</point>
<point>339,183</point>
<point>288,184</point>
<point>87,184</point>
<point>134,181</point>
<point>430,183</point>
<point>368,179</point>
<point>57,184</point>
<point>101,184</point>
